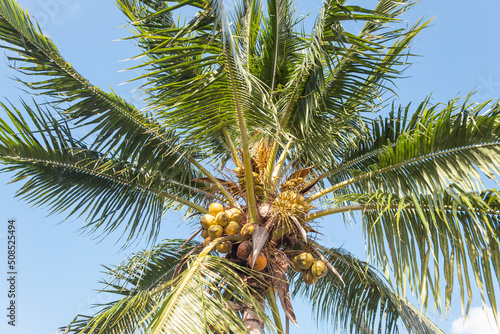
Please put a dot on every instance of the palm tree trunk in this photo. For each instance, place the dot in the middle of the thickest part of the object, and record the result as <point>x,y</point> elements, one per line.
<point>252,320</point>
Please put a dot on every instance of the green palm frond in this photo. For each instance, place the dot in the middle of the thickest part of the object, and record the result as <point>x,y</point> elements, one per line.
<point>158,297</point>
<point>280,45</point>
<point>207,297</point>
<point>248,18</point>
<point>132,282</point>
<point>63,174</point>
<point>457,142</point>
<point>114,122</point>
<point>365,303</point>
<point>413,234</point>
<point>364,64</point>
<point>195,79</point>
<point>344,74</point>
<point>116,125</point>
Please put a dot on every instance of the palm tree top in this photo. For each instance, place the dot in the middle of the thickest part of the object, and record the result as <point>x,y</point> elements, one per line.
<point>246,110</point>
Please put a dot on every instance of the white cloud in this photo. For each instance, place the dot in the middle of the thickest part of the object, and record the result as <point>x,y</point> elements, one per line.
<point>477,322</point>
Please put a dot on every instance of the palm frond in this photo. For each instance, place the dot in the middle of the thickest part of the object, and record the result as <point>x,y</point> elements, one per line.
<point>439,146</point>
<point>132,282</point>
<point>63,174</point>
<point>365,303</point>
<point>415,233</point>
<point>207,295</point>
<point>195,79</point>
<point>115,123</point>
<point>280,46</point>
<point>248,29</point>
<point>344,74</point>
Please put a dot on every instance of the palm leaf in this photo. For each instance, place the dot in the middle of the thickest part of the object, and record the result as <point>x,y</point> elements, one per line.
<point>365,303</point>
<point>415,233</point>
<point>204,297</point>
<point>132,282</point>
<point>63,174</point>
<point>438,145</point>
<point>114,122</point>
<point>195,79</point>
<point>343,74</point>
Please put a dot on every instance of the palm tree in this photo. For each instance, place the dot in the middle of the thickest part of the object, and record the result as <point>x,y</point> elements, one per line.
<point>256,130</point>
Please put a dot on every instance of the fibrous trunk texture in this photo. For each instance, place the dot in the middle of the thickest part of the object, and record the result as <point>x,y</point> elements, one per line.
<point>252,320</point>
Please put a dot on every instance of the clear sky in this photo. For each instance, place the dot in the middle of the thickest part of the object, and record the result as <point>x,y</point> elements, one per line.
<point>59,268</point>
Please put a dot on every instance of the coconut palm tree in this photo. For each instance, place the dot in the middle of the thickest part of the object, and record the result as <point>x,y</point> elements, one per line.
<point>256,130</point>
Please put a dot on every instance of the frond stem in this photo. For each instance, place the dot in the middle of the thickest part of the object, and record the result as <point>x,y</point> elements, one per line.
<point>273,305</point>
<point>230,142</point>
<point>365,207</point>
<point>392,167</point>
<point>94,173</point>
<point>251,202</point>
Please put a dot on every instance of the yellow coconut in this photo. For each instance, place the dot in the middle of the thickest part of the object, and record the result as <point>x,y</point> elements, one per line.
<point>309,278</point>
<point>234,214</point>
<point>207,221</point>
<point>319,269</point>
<point>297,208</point>
<point>204,233</point>
<point>224,247</point>
<point>215,208</point>
<point>295,265</point>
<point>299,199</point>
<point>207,241</point>
<point>221,219</point>
<point>304,260</point>
<point>215,231</point>
<point>247,231</point>
<point>232,228</point>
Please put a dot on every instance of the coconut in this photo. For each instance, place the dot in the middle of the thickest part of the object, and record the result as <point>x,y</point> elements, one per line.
<point>207,241</point>
<point>244,250</point>
<point>207,220</point>
<point>260,262</point>
<point>204,233</point>
<point>215,208</point>
<point>215,231</point>
<point>299,199</point>
<point>309,278</point>
<point>233,214</point>
<point>319,269</point>
<point>295,265</point>
<point>305,260</point>
<point>247,231</point>
<point>221,219</point>
<point>232,228</point>
<point>224,247</point>
<point>297,208</point>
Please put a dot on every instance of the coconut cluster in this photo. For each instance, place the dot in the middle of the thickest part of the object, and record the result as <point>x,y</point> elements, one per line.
<point>292,202</point>
<point>281,212</point>
<point>292,184</point>
<point>240,173</point>
<point>312,269</point>
<point>219,223</point>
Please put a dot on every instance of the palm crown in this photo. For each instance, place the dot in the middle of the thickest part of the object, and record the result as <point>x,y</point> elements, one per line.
<point>286,120</point>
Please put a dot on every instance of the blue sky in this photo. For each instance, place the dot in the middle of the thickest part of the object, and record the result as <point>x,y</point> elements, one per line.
<point>59,267</point>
